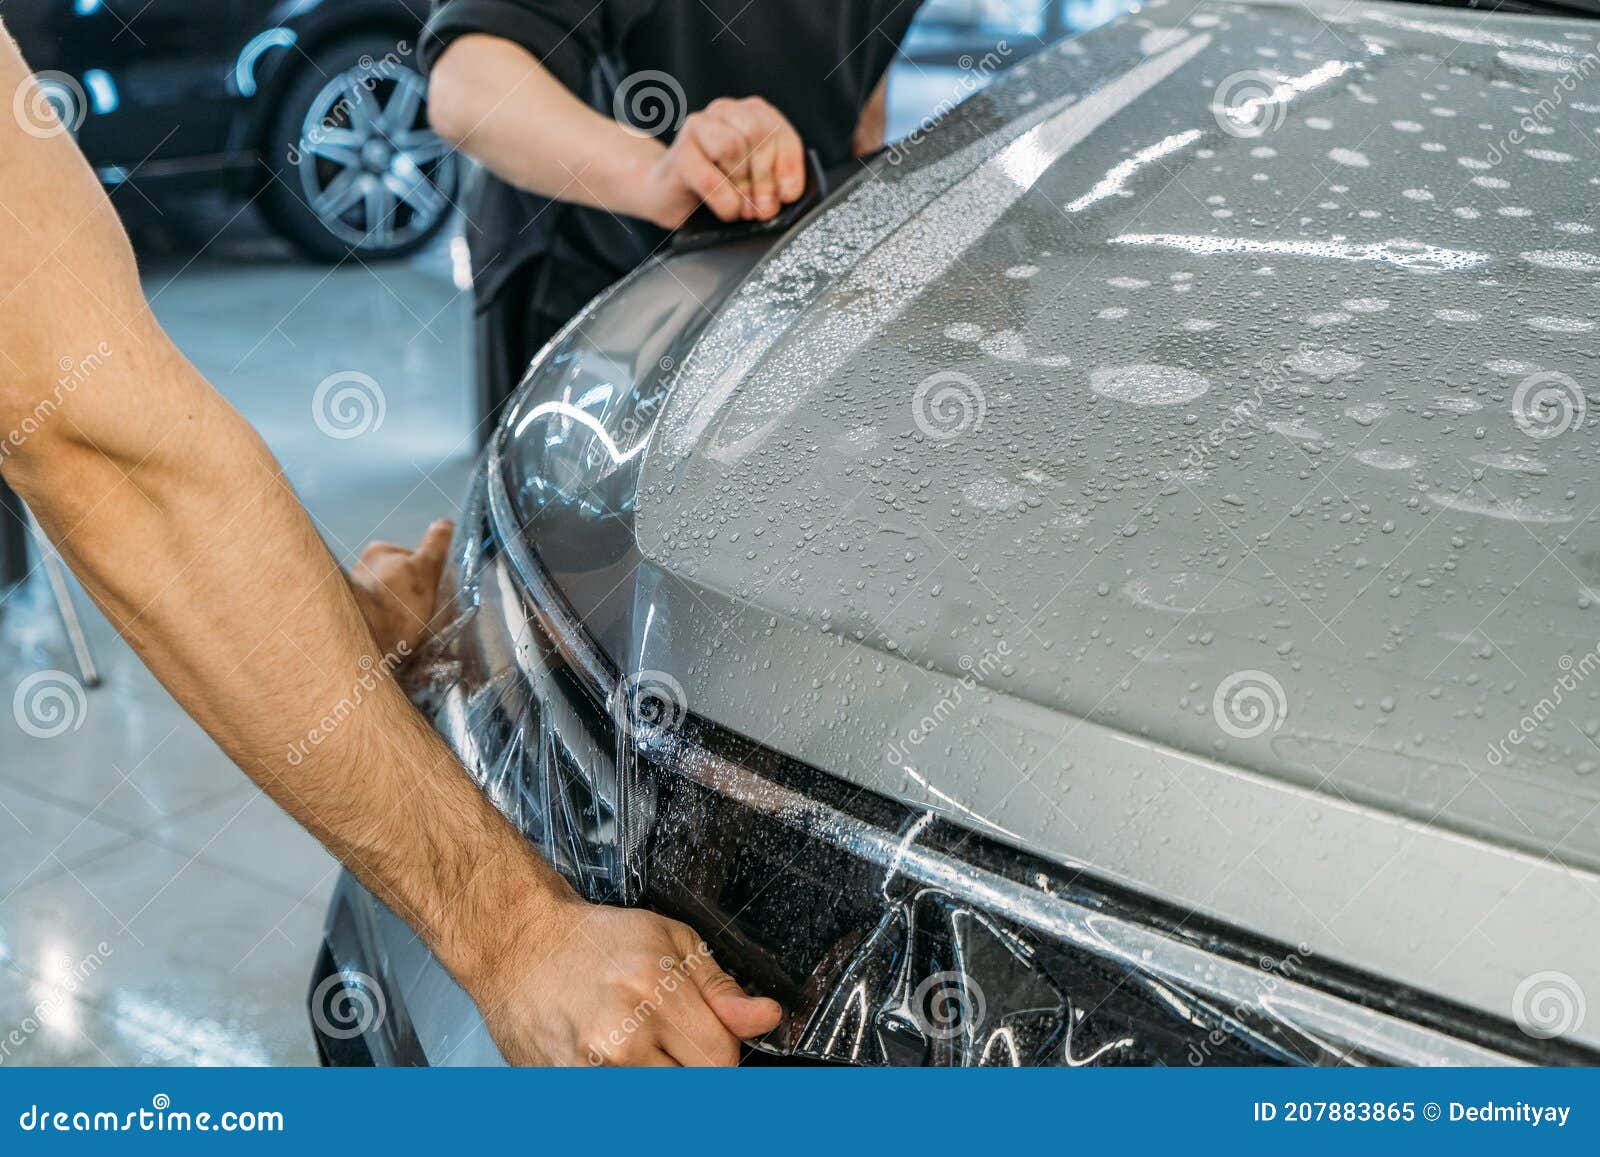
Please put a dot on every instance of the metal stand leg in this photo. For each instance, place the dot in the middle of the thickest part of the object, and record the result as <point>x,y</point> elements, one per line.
<point>69,614</point>
<point>56,573</point>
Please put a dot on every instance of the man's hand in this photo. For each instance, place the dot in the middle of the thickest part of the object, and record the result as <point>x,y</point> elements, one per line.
<point>566,982</point>
<point>492,100</point>
<point>587,984</point>
<point>395,588</point>
<point>740,158</point>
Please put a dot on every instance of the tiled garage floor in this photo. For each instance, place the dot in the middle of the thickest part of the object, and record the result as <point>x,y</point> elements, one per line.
<point>155,907</point>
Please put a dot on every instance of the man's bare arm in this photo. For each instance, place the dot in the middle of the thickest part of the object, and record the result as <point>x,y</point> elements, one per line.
<point>181,526</point>
<point>873,123</point>
<point>493,100</point>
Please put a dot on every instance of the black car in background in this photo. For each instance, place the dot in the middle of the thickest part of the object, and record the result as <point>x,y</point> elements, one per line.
<point>312,108</point>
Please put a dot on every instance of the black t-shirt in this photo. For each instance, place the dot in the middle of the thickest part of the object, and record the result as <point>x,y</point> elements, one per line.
<point>816,61</point>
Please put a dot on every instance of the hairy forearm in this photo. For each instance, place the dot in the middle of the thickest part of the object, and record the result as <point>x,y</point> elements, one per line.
<point>183,530</point>
<point>496,103</point>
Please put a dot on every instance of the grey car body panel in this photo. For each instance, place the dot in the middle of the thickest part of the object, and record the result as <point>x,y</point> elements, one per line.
<point>1022,621</point>
<point>440,1020</point>
<point>790,426</point>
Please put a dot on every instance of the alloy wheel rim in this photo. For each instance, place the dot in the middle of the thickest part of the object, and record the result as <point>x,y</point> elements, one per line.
<point>370,169</point>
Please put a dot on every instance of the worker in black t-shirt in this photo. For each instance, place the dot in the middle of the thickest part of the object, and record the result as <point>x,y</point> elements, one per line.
<point>604,124</point>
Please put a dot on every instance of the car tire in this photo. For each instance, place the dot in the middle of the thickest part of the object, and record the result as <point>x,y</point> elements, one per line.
<point>353,167</point>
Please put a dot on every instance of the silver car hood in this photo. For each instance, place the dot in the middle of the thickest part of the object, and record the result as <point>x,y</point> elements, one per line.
<point>1175,464</point>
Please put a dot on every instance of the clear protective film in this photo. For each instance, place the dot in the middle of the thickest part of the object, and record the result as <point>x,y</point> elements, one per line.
<point>889,934</point>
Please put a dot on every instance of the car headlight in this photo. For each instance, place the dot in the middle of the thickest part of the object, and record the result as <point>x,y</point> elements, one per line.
<point>542,748</point>
<point>889,934</point>
<point>532,705</point>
